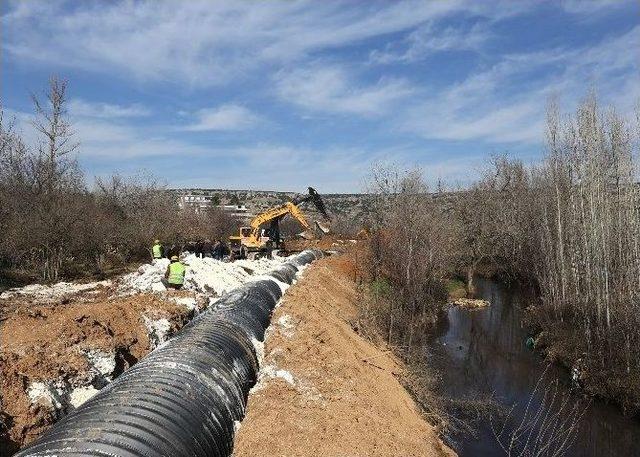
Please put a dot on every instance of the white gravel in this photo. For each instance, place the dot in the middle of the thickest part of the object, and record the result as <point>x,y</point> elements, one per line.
<point>202,275</point>
<point>102,362</point>
<point>81,394</point>
<point>158,330</point>
<point>53,291</point>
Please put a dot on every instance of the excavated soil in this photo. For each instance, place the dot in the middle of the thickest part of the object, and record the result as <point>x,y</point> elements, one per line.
<point>325,390</point>
<point>326,243</point>
<point>44,342</point>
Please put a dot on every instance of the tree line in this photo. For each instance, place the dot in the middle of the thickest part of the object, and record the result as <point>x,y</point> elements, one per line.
<point>54,225</point>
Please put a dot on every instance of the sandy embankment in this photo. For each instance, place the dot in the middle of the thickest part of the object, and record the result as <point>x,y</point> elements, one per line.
<point>324,390</point>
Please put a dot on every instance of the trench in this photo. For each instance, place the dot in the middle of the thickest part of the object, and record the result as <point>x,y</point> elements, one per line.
<point>187,396</point>
<point>483,352</point>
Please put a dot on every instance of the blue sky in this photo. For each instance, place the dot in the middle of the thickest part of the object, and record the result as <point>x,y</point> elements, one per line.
<point>282,95</point>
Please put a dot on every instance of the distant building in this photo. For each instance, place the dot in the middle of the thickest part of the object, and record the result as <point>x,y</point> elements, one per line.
<point>239,211</point>
<point>197,202</point>
<point>200,203</point>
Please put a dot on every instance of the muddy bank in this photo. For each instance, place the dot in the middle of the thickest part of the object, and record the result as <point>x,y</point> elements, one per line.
<point>325,390</point>
<point>564,344</point>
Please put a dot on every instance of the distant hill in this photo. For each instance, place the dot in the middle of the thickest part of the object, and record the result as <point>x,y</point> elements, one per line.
<point>342,206</point>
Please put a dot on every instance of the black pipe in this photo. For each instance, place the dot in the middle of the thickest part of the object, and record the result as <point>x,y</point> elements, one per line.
<point>185,397</point>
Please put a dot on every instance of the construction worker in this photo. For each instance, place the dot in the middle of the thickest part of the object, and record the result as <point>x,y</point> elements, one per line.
<point>207,248</point>
<point>174,276</point>
<point>218,250</point>
<point>156,250</point>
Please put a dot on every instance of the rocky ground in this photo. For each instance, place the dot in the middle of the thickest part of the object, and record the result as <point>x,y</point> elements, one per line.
<point>325,390</point>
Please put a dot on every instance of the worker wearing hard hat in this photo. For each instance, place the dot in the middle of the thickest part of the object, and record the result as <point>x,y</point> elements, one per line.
<point>174,275</point>
<point>157,250</point>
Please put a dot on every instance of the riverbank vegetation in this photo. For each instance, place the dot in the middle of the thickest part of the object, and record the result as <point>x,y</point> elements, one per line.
<point>568,226</point>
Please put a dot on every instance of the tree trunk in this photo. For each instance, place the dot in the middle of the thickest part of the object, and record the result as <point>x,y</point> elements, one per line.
<point>471,288</point>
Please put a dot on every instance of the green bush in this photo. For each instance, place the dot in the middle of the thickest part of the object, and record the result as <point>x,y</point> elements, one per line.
<point>380,288</point>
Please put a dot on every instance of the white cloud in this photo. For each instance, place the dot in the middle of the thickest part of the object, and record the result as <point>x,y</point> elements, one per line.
<point>287,167</point>
<point>332,89</point>
<point>224,117</point>
<point>206,43</point>
<point>125,149</point>
<point>78,107</point>
<point>110,139</point>
<point>104,139</point>
<point>286,44</point>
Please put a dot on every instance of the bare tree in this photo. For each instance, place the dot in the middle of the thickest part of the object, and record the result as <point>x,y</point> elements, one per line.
<point>548,426</point>
<point>55,176</point>
<point>409,251</point>
<point>56,142</point>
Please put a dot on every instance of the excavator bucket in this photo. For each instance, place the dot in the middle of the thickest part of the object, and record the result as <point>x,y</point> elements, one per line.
<point>323,228</point>
<point>311,235</point>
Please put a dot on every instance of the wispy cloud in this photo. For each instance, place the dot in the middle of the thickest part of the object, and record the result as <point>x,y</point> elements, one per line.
<point>587,7</point>
<point>79,107</point>
<point>206,43</point>
<point>224,117</point>
<point>490,106</point>
<point>428,39</point>
<point>109,139</point>
<point>440,76</point>
<point>331,89</point>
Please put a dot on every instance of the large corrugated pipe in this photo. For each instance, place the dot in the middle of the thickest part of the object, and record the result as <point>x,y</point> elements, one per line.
<point>185,397</point>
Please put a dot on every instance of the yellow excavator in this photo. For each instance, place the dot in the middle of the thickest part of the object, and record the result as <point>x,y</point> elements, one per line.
<point>262,236</point>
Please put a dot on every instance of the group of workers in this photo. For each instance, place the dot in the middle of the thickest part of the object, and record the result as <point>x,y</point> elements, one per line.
<point>203,248</point>
<point>174,275</point>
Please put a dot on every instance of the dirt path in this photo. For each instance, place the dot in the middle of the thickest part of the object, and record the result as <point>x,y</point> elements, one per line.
<point>324,390</point>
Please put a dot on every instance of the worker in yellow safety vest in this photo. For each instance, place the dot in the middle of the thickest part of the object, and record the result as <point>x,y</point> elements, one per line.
<point>174,275</point>
<point>156,250</point>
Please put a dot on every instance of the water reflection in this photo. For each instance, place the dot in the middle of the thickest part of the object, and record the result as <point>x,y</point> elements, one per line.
<point>483,352</point>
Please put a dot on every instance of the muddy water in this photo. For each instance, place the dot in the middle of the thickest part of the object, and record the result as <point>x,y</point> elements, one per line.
<point>483,352</point>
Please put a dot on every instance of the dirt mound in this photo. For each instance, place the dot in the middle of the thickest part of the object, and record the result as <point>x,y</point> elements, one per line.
<point>53,355</point>
<point>52,292</point>
<point>323,389</point>
<point>326,243</point>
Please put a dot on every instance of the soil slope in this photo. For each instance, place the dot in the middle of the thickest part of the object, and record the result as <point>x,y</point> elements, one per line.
<point>45,342</point>
<point>324,390</point>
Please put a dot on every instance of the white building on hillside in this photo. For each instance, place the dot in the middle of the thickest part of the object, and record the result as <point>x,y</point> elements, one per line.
<point>239,211</point>
<point>197,202</point>
<point>201,202</point>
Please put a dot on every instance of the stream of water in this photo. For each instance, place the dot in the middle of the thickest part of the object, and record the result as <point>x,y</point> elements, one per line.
<point>483,352</point>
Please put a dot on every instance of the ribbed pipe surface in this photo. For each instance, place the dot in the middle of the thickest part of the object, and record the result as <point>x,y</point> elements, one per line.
<point>185,397</point>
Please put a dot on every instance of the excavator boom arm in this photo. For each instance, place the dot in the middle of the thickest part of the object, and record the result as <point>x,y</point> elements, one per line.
<point>275,213</point>
<point>297,214</point>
